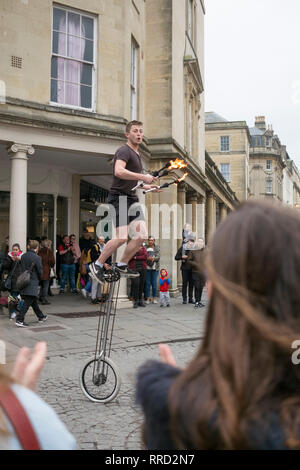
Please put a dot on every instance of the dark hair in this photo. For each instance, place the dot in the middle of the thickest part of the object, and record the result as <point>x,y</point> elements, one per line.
<point>33,244</point>
<point>243,374</point>
<point>132,123</point>
<point>64,236</point>
<point>44,238</point>
<point>16,244</point>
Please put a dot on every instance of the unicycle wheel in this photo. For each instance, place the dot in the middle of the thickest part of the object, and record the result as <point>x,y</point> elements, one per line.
<point>100,380</point>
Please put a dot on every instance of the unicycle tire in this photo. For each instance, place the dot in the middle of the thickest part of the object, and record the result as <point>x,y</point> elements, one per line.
<point>100,384</point>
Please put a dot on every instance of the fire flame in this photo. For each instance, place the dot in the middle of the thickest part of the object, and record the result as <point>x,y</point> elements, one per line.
<point>182,178</point>
<point>177,164</point>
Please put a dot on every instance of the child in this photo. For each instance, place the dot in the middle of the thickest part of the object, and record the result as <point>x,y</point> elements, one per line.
<point>164,282</point>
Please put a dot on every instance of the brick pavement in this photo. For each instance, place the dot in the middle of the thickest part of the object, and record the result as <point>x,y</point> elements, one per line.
<point>71,342</point>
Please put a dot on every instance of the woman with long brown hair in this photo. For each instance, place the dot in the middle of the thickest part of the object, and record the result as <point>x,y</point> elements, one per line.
<point>242,389</point>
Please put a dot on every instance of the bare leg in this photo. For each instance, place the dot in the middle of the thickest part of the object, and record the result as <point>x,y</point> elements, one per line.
<point>138,233</point>
<point>131,249</point>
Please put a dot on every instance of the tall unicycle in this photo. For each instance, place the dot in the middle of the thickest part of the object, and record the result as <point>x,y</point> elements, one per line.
<point>100,379</point>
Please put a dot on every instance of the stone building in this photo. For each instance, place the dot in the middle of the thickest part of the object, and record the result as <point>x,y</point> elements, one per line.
<point>228,144</point>
<point>267,162</point>
<point>70,82</point>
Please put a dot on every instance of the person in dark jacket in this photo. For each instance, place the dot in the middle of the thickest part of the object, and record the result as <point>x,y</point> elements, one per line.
<point>240,391</point>
<point>12,265</point>
<point>139,264</point>
<point>29,294</point>
<point>186,270</point>
<point>68,267</point>
<point>196,260</point>
<point>48,262</point>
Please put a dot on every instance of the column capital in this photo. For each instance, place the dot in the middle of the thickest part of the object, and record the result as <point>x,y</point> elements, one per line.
<point>211,195</point>
<point>23,148</point>
<point>182,187</point>
<point>192,196</point>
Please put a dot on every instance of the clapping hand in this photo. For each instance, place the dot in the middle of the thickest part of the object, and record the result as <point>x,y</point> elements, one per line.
<point>28,367</point>
<point>166,354</point>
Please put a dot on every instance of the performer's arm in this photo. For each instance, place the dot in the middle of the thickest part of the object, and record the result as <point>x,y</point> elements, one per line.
<point>122,173</point>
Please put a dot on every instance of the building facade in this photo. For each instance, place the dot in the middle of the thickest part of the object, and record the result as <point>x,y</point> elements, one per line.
<point>228,144</point>
<point>69,84</point>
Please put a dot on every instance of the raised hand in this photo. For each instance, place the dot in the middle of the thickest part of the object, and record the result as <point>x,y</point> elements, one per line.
<point>28,367</point>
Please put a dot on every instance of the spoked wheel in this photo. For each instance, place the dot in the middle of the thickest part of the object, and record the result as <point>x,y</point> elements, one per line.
<point>112,275</point>
<point>100,380</point>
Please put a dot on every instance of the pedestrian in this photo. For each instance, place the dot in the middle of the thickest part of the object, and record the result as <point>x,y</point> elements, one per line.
<point>5,246</point>
<point>129,216</point>
<point>85,241</point>
<point>67,265</point>
<point>241,389</point>
<point>153,257</point>
<point>164,284</point>
<point>77,254</point>
<point>31,261</point>
<point>26,421</point>
<point>48,262</point>
<point>186,269</point>
<point>138,264</point>
<point>96,288</point>
<point>12,266</point>
<point>196,259</point>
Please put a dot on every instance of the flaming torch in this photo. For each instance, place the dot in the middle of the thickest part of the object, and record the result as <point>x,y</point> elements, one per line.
<point>171,165</point>
<point>166,185</point>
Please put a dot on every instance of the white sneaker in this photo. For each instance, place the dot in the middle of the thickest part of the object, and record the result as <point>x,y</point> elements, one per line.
<point>84,293</point>
<point>13,315</point>
<point>154,301</point>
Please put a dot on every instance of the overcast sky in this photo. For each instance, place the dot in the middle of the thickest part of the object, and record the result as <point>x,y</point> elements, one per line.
<point>252,64</point>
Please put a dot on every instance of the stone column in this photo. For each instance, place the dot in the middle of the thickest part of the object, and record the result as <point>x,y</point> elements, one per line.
<point>211,214</point>
<point>54,247</point>
<point>193,199</point>
<point>123,301</point>
<point>69,214</point>
<point>18,154</point>
<point>181,198</point>
<point>75,206</point>
<point>201,217</point>
<point>223,212</point>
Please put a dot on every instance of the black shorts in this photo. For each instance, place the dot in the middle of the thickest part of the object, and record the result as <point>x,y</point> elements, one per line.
<point>126,208</point>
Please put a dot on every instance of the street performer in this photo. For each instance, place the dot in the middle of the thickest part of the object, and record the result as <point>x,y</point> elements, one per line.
<point>127,170</point>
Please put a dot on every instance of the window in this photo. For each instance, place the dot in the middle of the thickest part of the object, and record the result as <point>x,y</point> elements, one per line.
<point>134,80</point>
<point>268,164</point>
<point>224,143</point>
<point>73,59</point>
<point>225,170</point>
<point>269,186</point>
<point>268,142</point>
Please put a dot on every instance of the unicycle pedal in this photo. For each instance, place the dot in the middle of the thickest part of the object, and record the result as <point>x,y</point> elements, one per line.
<point>112,275</point>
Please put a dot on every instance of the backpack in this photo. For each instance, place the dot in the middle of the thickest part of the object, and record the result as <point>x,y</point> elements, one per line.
<point>88,256</point>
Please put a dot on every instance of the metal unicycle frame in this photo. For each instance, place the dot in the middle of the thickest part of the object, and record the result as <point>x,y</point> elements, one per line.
<point>100,379</point>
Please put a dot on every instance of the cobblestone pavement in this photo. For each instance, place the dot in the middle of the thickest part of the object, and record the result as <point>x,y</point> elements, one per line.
<point>71,342</point>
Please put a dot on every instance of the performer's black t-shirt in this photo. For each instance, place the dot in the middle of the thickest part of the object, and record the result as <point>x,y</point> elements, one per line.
<point>134,164</point>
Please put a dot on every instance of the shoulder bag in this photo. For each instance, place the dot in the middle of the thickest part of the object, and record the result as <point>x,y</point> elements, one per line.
<point>24,279</point>
<point>19,420</point>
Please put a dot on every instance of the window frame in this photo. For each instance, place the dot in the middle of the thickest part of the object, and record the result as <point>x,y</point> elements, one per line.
<point>268,167</point>
<point>269,181</point>
<point>222,143</point>
<point>93,64</point>
<point>224,174</point>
